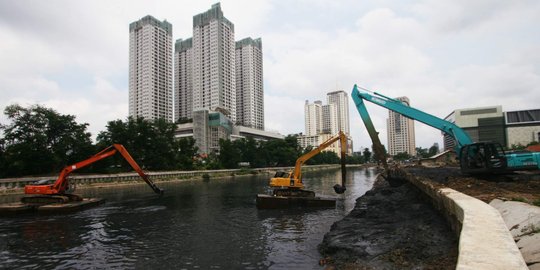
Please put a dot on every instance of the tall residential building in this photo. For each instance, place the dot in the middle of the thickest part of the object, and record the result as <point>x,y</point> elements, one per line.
<point>214,80</point>
<point>313,118</point>
<point>249,84</point>
<point>329,119</point>
<point>341,101</point>
<point>183,80</point>
<point>400,132</point>
<point>150,69</point>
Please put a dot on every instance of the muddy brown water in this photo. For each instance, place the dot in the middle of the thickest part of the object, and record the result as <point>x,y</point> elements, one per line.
<point>195,225</point>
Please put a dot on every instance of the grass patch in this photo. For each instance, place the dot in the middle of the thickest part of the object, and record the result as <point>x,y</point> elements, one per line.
<point>537,203</point>
<point>518,199</point>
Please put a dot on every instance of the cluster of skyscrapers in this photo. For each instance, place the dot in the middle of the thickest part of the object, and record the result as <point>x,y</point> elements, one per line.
<point>211,74</point>
<point>324,121</point>
<point>211,71</point>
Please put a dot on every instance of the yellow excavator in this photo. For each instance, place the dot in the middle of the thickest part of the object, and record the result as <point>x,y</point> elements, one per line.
<point>289,184</point>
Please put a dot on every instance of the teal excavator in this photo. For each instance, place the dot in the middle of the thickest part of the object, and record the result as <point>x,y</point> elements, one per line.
<point>474,157</point>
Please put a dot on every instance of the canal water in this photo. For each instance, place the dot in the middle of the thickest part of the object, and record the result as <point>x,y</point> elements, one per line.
<point>196,225</point>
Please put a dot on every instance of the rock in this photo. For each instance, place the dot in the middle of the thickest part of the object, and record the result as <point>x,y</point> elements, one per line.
<point>520,218</point>
<point>529,245</point>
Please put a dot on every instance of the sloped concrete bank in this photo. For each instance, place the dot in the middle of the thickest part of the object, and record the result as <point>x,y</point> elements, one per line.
<point>484,239</point>
<point>390,228</point>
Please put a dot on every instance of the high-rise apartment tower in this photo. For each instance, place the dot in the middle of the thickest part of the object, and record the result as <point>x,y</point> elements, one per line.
<point>150,69</point>
<point>249,83</point>
<point>313,118</point>
<point>400,132</point>
<point>341,102</point>
<point>214,80</point>
<point>183,80</point>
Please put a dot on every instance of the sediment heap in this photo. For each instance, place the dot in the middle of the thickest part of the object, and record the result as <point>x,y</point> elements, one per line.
<point>391,227</point>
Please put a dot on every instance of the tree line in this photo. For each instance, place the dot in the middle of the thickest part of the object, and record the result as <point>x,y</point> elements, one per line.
<point>40,141</point>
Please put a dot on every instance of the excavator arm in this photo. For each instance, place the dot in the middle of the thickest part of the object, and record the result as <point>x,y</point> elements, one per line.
<point>481,157</point>
<point>60,186</point>
<point>294,179</point>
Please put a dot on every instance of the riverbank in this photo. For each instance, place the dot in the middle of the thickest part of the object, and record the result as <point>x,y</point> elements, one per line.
<point>391,227</point>
<point>14,186</point>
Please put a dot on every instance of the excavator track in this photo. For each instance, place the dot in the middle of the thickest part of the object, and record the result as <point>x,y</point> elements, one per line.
<point>50,199</point>
<point>290,192</point>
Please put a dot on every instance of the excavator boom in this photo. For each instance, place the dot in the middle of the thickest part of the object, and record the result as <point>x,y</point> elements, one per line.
<point>293,180</point>
<point>481,157</point>
<point>61,185</point>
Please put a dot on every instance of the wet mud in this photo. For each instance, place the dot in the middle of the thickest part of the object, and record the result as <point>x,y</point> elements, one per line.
<point>391,227</point>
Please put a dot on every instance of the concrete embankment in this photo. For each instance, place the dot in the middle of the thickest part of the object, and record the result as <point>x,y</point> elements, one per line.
<point>484,239</point>
<point>16,185</point>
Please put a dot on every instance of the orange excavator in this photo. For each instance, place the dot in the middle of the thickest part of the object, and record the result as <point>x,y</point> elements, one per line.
<point>290,184</point>
<point>57,192</point>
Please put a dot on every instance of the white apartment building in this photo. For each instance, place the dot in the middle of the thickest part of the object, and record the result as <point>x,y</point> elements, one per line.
<point>325,121</point>
<point>214,80</point>
<point>400,132</point>
<point>150,69</point>
<point>329,119</point>
<point>341,101</point>
<point>249,84</point>
<point>183,79</point>
<point>313,118</point>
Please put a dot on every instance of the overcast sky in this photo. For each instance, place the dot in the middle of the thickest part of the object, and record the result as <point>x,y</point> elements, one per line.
<point>444,55</point>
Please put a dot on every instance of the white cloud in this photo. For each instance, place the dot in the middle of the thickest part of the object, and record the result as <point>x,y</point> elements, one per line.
<point>443,55</point>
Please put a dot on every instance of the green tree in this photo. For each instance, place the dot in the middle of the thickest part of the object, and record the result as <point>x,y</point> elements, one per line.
<point>151,143</point>
<point>422,152</point>
<point>229,154</point>
<point>402,156</point>
<point>356,158</point>
<point>39,140</point>
<point>367,154</point>
<point>282,152</point>
<point>186,153</point>
<point>433,150</point>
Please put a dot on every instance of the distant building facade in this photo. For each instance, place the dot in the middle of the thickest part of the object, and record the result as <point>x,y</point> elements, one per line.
<point>330,122</point>
<point>249,83</point>
<point>150,69</point>
<point>208,127</point>
<point>214,80</point>
<point>341,103</point>
<point>482,124</point>
<point>183,79</point>
<point>522,127</point>
<point>324,121</point>
<point>313,118</point>
<point>400,130</point>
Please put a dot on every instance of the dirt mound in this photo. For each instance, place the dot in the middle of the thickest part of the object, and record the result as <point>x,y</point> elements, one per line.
<point>391,228</point>
<point>522,186</point>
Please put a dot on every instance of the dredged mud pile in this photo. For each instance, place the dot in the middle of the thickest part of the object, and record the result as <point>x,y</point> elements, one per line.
<point>391,227</point>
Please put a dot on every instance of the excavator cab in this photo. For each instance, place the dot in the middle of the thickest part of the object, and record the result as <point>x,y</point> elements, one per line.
<point>483,157</point>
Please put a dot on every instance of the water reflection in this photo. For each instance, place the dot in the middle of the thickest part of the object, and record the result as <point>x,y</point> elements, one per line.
<point>195,225</point>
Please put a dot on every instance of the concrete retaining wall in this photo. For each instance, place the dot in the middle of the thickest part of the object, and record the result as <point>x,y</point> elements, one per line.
<point>484,239</point>
<point>15,185</point>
